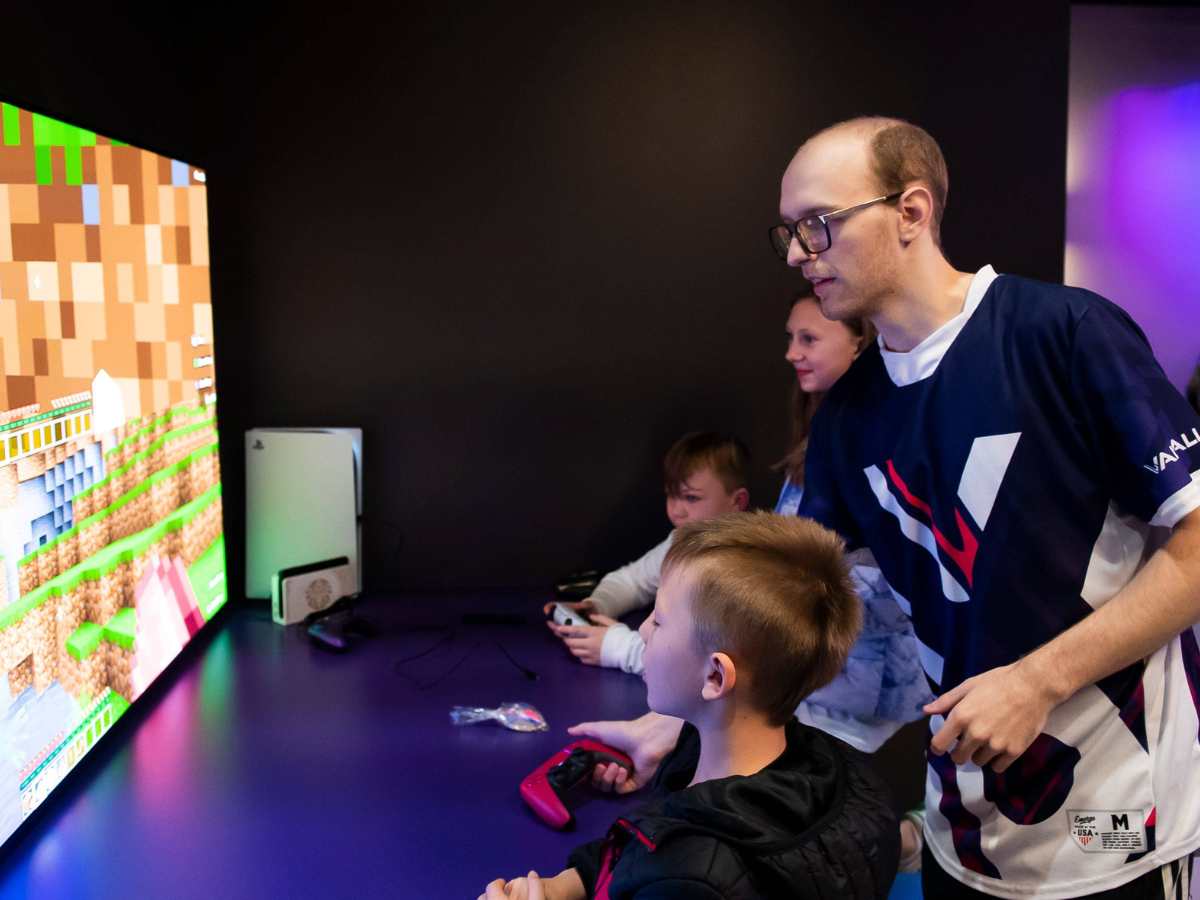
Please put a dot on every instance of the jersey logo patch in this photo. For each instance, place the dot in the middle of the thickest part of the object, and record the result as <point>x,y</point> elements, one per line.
<point>1108,830</point>
<point>978,488</point>
<point>1186,442</point>
<point>963,556</point>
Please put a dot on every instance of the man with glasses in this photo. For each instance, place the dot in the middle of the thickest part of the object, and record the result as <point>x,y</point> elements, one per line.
<point>1005,452</point>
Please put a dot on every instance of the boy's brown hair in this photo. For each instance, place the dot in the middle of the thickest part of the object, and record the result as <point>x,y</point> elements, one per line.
<point>774,593</point>
<point>728,458</point>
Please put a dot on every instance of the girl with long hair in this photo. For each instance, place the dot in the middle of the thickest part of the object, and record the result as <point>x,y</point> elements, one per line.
<point>820,350</point>
<point>882,685</point>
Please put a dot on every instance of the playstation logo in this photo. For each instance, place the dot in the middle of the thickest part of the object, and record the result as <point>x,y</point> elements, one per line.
<point>258,445</point>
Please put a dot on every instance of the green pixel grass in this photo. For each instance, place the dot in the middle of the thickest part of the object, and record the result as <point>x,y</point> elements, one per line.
<point>49,133</point>
<point>122,627</point>
<point>53,133</point>
<point>102,563</point>
<point>84,641</point>
<point>126,498</point>
<point>145,454</point>
<point>12,124</point>
<point>43,165</point>
<point>189,411</point>
<point>203,571</point>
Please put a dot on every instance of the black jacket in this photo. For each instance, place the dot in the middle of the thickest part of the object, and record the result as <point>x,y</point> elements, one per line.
<point>817,822</point>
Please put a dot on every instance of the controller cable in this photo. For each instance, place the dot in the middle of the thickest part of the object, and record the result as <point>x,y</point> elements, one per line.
<point>448,637</point>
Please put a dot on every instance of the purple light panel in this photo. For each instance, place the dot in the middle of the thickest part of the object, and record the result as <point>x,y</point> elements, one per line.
<point>1133,171</point>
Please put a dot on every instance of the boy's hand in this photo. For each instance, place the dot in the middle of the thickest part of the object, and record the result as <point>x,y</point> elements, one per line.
<point>584,606</point>
<point>646,741</point>
<point>566,885</point>
<point>527,888</point>
<point>584,641</point>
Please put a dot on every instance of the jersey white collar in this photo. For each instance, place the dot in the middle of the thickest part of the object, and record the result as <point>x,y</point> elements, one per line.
<point>922,360</point>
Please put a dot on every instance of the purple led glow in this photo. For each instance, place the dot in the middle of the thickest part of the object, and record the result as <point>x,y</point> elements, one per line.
<point>1134,185</point>
<point>1151,197</point>
<point>1133,170</point>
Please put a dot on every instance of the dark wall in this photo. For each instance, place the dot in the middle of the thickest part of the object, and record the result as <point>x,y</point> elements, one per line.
<point>525,248</point>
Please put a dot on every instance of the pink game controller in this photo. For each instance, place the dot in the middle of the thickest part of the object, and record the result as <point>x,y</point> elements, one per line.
<point>545,788</point>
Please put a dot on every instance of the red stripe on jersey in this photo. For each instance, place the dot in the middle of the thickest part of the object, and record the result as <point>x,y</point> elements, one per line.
<point>963,557</point>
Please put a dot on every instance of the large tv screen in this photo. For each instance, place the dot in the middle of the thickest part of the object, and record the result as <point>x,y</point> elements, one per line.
<point>111,548</point>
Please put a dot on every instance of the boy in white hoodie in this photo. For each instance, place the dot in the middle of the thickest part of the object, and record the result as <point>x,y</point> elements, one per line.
<point>705,475</point>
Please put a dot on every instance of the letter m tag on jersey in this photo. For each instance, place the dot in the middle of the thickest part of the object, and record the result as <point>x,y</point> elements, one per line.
<point>1108,830</point>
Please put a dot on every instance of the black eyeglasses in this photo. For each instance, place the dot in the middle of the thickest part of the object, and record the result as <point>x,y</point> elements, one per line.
<point>813,231</point>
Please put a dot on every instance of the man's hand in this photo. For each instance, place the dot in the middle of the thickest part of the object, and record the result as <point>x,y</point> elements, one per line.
<point>994,716</point>
<point>646,741</point>
<point>584,641</point>
<point>566,885</point>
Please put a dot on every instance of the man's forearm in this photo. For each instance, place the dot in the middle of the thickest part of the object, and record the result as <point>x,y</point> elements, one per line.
<point>1158,603</point>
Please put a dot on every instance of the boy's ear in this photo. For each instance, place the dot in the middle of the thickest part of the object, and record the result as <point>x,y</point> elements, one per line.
<point>741,499</point>
<point>719,678</point>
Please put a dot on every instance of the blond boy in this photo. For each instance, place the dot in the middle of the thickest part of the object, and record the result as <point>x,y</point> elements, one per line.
<point>754,612</point>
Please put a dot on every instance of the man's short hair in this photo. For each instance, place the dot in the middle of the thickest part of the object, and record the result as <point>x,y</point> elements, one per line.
<point>727,456</point>
<point>903,154</point>
<point>774,593</point>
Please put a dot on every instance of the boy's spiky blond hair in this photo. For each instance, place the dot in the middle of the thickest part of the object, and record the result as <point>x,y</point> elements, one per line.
<point>774,593</point>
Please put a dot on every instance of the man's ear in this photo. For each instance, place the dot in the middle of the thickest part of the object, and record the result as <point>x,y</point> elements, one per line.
<point>719,678</point>
<point>741,499</point>
<point>916,212</point>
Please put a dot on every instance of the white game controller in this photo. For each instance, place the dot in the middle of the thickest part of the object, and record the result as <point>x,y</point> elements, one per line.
<point>564,615</point>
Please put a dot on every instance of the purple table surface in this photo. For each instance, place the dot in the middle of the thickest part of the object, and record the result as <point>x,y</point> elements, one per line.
<point>265,767</point>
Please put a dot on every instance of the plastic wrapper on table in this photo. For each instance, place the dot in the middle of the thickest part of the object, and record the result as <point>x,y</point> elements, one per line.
<point>512,715</point>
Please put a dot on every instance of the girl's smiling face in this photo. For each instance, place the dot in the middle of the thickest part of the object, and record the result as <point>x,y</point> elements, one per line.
<point>819,349</point>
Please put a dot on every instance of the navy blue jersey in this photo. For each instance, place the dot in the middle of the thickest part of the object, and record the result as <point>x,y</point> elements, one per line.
<point>1005,475</point>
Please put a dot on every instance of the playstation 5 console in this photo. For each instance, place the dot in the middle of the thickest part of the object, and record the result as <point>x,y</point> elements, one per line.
<point>303,502</point>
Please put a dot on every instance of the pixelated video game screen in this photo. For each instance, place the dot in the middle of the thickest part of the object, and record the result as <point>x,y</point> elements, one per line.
<point>111,548</point>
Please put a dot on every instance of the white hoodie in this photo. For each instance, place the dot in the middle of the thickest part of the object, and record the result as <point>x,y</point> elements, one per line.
<point>623,590</point>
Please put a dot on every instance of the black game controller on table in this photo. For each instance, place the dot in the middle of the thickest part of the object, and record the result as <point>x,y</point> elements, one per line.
<point>337,629</point>
<point>546,787</point>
